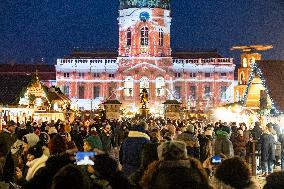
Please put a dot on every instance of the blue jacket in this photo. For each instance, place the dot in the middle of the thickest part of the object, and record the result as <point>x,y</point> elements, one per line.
<point>131,150</point>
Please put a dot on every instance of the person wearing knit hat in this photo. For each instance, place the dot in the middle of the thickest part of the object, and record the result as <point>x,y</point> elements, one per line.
<point>172,151</point>
<point>223,145</point>
<point>191,141</point>
<point>30,140</point>
<point>190,128</point>
<point>92,142</point>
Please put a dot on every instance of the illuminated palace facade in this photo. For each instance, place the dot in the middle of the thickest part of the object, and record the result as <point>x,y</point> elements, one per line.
<point>144,59</point>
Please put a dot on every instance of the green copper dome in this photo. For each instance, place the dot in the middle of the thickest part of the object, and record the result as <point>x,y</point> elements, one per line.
<point>164,4</point>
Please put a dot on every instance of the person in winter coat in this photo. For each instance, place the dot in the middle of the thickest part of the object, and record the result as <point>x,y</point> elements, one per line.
<point>174,169</point>
<point>107,138</point>
<point>281,140</point>
<point>239,144</point>
<point>70,176</point>
<point>256,133</point>
<point>43,177</point>
<point>149,154</point>
<point>267,142</point>
<point>7,138</point>
<point>76,136</point>
<point>191,141</point>
<point>36,160</point>
<point>223,146</point>
<point>106,174</point>
<point>131,149</point>
<point>275,181</point>
<point>92,142</point>
<point>233,173</point>
<point>206,147</point>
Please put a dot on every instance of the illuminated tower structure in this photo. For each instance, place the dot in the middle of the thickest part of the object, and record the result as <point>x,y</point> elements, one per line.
<point>144,49</point>
<point>248,57</point>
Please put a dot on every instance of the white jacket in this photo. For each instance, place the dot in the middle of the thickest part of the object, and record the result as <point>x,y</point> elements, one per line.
<point>35,165</point>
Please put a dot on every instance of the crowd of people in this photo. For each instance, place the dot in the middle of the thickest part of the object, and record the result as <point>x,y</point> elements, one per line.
<point>152,153</point>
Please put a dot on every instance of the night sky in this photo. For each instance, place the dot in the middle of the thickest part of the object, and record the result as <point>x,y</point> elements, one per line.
<point>50,29</point>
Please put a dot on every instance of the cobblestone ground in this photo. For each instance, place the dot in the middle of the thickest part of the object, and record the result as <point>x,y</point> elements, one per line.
<point>260,181</point>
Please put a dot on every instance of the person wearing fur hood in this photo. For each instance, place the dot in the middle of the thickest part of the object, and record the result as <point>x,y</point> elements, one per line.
<point>233,173</point>
<point>36,160</point>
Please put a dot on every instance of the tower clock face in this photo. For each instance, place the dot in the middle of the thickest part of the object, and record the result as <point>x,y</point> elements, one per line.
<point>144,16</point>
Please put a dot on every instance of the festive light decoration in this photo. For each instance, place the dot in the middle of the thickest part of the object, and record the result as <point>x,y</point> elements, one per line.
<point>270,110</point>
<point>165,4</point>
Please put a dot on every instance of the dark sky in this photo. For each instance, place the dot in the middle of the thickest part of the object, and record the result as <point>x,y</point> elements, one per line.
<point>30,29</point>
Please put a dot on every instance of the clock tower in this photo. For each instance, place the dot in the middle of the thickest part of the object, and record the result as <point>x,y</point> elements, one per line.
<point>144,32</point>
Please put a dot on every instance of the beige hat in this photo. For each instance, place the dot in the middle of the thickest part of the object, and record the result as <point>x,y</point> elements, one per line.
<point>172,151</point>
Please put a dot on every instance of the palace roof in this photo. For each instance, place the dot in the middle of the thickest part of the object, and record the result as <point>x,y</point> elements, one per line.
<point>273,75</point>
<point>94,53</point>
<point>187,54</point>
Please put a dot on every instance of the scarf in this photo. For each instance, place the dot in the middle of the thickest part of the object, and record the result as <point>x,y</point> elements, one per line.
<point>138,134</point>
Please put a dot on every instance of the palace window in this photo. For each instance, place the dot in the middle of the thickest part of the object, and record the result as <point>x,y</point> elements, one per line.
<point>223,74</point>
<point>161,37</point>
<point>178,92</point>
<point>160,85</point>
<point>193,92</point>
<point>207,75</point>
<point>223,92</point>
<point>96,92</point>
<point>81,91</point>
<point>128,37</point>
<point>65,89</point>
<point>111,75</point>
<point>207,92</point>
<point>111,94</point>
<point>144,36</point>
<point>192,75</point>
<point>66,75</point>
<point>128,86</point>
<point>144,83</point>
<point>96,75</point>
<point>81,74</point>
<point>178,75</point>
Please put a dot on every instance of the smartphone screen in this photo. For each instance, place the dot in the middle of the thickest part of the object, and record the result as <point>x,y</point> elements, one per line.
<point>216,159</point>
<point>85,158</point>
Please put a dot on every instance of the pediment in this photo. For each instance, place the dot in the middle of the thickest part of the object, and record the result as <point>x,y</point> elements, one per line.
<point>145,67</point>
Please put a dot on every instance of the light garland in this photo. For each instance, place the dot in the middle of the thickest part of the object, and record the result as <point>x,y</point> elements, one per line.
<point>256,70</point>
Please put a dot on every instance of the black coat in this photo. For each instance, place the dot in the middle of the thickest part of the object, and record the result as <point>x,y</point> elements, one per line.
<point>267,147</point>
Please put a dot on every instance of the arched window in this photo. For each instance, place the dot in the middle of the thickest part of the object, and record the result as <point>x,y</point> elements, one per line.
<point>128,86</point>
<point>144,38</point>
<point>161,37</point>
<point>128,37</point>
<point>245,63</point>
<point>144,83</point>
<point>160,86</point>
